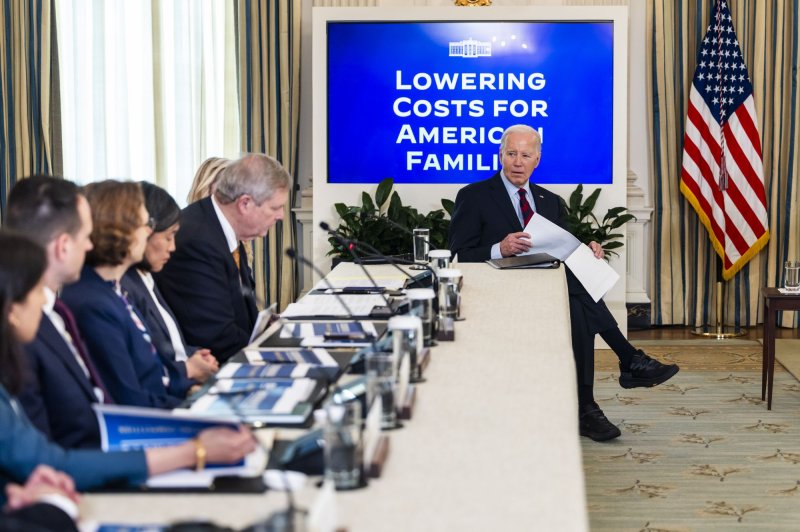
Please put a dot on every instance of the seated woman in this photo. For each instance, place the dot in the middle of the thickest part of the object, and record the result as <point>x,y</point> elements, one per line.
<point>187,365</point>
<point>23,448</point>
<point>115,334</point>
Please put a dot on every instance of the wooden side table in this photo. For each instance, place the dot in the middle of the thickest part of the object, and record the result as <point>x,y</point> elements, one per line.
<point>774,301</point>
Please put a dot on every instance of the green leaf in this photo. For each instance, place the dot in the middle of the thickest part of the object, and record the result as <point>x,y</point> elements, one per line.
<point>341,209</point>
<point>382,193</point>
<point>395,206</point>
<point>613,245</point>
<point>449,205</point>
<point>591,201</point>
<point>366,202</point>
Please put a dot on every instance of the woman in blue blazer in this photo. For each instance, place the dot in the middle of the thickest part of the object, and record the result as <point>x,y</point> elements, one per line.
<point>187,365</point>
<point>114,332</point>
<point>22,447</point>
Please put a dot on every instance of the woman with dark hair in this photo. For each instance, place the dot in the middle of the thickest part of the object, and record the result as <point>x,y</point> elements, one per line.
<point>23,447</point>
<point>187,365</point>
<point>114,332</point>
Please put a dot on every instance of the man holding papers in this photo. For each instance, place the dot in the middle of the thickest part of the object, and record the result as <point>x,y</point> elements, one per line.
<point>488,223</point>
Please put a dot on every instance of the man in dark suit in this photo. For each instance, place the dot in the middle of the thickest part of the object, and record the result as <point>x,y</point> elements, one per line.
<point>207,281</point>
<point>61,382</point>
<point>487,223</point>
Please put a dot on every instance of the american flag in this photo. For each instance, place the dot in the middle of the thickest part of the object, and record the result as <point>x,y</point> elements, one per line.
<point>722,174</point>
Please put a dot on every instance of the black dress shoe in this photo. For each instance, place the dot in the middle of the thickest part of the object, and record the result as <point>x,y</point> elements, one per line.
<point>646,372</point>
<point>595,425</point>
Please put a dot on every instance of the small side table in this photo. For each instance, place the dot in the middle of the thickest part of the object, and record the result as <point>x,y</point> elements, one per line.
<point>774,301</point>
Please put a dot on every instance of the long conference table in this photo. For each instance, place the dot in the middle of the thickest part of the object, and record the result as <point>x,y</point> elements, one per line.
<point>493,443</point>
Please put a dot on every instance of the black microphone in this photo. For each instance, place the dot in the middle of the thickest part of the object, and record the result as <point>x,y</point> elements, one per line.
<point>350,246</point>
<point>293,254</point>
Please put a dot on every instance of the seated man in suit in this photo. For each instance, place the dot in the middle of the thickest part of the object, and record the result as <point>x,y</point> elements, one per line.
<point>62,382</point>
<point>207,281</point>
<point>487,224</point>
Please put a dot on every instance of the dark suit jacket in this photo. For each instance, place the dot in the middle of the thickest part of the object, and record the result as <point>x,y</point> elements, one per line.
<point>57,396</point>
<point>139,296</point>
<point>212,299</point>
<point>38,517</point>
<point>124,358</point>
<point>484,215</point>
<point>22,448</point>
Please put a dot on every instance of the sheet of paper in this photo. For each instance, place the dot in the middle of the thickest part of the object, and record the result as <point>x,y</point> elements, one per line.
<point>330,305</point>
<point>596,276</point>
<point>549,238</point>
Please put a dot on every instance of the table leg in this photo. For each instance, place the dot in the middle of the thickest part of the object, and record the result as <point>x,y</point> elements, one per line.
<point>769,346</point>
<point>764,353</point>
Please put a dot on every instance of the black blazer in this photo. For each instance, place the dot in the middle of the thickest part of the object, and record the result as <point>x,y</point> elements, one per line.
<point>37,517</point>
<point>139,296</point>
<point>56,395</point>
<point>212,299</point>
<point>484,215</point>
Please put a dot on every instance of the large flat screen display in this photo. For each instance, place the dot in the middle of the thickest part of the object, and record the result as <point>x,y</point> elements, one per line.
<point>426,102</point>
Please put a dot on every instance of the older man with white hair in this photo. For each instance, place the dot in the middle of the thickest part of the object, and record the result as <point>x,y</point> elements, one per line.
<point>488,222</point>
<point>207,281</point>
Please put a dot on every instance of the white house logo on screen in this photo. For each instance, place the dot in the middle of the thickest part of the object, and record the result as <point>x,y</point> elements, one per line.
<point>470,48</point>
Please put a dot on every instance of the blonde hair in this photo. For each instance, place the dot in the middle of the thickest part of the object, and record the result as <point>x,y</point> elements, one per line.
<point>205,178</point>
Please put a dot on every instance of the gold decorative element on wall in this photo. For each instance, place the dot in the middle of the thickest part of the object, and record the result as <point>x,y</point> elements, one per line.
<point>471,3</point>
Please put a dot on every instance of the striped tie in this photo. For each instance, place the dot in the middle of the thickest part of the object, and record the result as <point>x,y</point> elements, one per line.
<point>525,207</point>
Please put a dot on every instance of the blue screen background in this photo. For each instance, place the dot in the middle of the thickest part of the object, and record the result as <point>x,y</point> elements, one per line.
<point>575,59</point>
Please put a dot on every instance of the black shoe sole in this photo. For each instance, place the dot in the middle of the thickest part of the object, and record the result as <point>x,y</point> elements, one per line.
<point>648,383</point>
<point>602,437</point>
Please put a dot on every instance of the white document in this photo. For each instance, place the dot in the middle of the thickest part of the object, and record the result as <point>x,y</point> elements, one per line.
<point>547,237</point>
<point>596,276</point>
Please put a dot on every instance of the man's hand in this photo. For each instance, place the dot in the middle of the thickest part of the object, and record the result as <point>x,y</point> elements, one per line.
<point>597,249</point>
<point>515,243</point>
<point>201,365</point>
<point>43,481</point>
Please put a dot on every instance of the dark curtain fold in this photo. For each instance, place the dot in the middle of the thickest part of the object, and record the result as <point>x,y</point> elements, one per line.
<point>30,126</point>
<point>268,49</point>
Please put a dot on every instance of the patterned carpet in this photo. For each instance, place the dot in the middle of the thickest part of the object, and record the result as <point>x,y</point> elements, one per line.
<point>700,452</point>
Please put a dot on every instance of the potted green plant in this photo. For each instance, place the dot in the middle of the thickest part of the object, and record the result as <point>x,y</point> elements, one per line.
<point>370,223</point>
<point>582,222</point>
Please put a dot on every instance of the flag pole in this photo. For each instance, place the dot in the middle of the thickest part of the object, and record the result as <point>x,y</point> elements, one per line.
<point>720,331</point>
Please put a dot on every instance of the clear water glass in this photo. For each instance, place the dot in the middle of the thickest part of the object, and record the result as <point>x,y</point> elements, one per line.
<point>343,444</point>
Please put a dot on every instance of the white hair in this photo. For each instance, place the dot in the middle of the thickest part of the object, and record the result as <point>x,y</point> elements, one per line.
<point>254,174</point>
<point>521,128</point>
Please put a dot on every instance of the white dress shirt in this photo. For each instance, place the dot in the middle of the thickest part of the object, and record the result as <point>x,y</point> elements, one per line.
<point>513,192</point>
<point>172,327</point>
<point>227,228</point>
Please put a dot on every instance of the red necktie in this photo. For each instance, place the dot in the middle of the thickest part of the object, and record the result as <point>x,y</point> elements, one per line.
<point>525,207</point>
<point>72,329</point>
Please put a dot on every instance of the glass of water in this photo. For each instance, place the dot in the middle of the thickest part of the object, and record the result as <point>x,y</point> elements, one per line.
<point>421,246</point>
<point>421,304</point>
<point>343,445</point>
<point>407,342</point>
<point>382,383</point>
<point>791,276</point>
<point>440,258</point>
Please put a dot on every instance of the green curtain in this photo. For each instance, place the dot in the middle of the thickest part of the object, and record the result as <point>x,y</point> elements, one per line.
<point>269,98</point>
<point>684,263</point>
<point>29,111</point>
